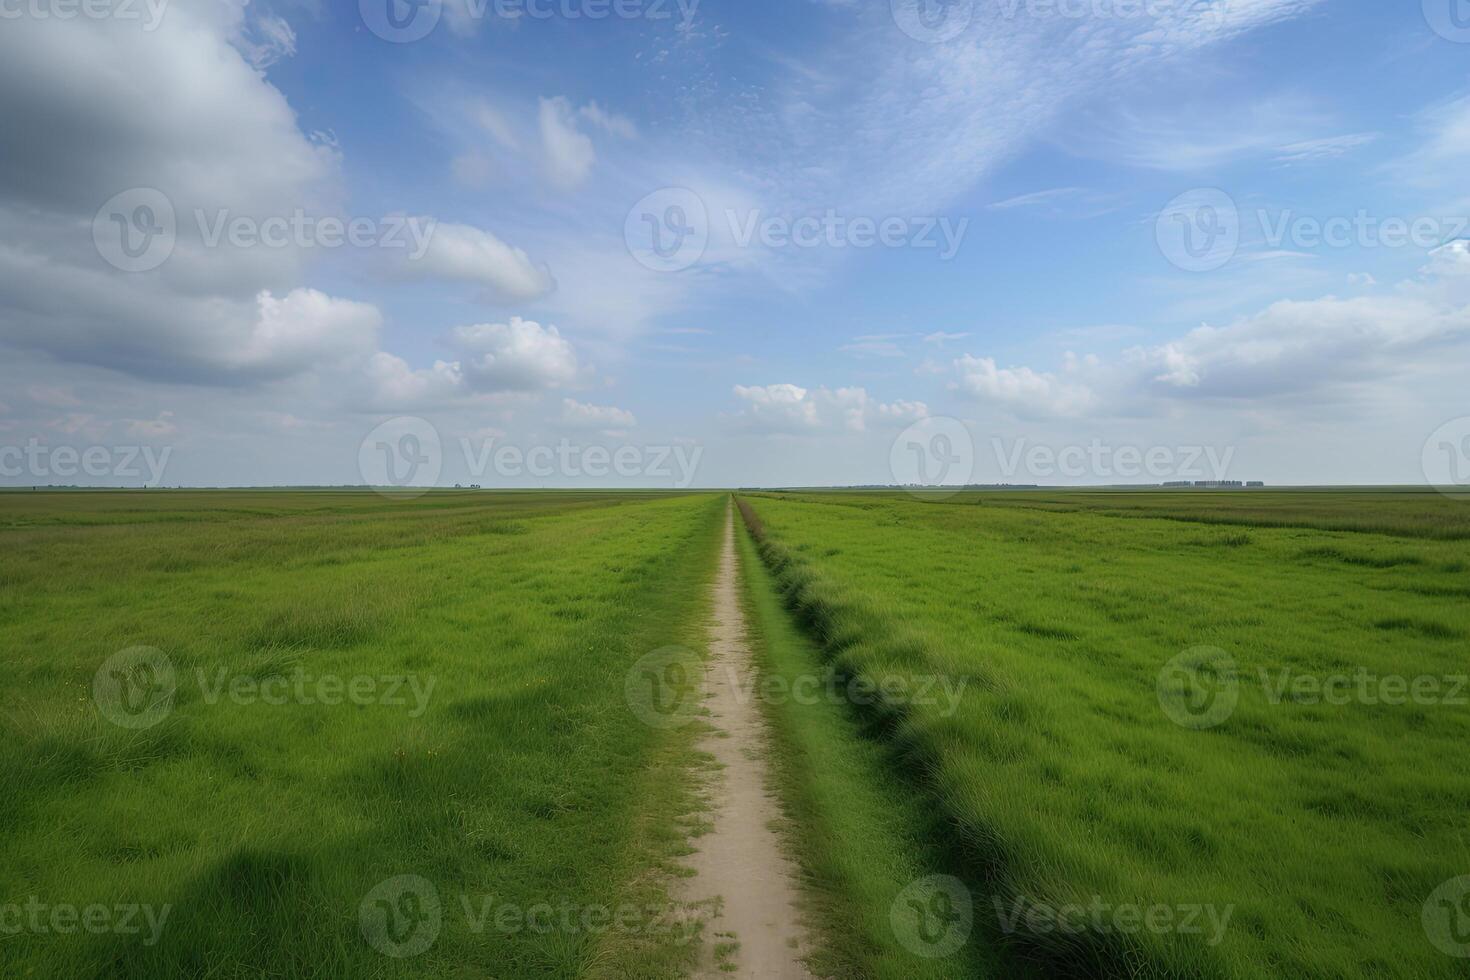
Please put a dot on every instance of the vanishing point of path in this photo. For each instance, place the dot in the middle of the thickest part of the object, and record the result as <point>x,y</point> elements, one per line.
<point>740,860</point>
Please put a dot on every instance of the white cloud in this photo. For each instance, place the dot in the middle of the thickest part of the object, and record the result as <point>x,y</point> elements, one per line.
<point>879,346</point>
<point>494,122</point>
<point>1292,348</point>
<point>264,39</point>
<point>610,122</point>
<point>1061,202</point>
<point>1181,135</point>
<point>778,407</point>
<point>962,108</point>
<point>1027,392</point>
<point>1445,150</point>
<point>303,328</point>
<point>1323,351</point>
<point>1328,148</point>
<point>392,385</point>
<point>903,411</point>
<point>569,155</point>
<point>577,415</point>
<point>464,254</point>
<point>791,409</point>
<point>160,427</point>
<point>185,113</point>
<point>520,355</point>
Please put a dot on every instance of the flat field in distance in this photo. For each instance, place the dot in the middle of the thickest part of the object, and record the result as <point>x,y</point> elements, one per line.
<point>1242,711</point>
<point>363,688</point>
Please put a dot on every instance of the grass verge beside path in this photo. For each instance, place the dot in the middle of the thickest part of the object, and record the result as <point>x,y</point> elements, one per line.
<point>861,832</point>
<point>1154,766</point>
<point>264,810</point>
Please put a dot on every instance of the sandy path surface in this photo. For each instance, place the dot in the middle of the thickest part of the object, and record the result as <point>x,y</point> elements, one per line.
<point>740,859</point>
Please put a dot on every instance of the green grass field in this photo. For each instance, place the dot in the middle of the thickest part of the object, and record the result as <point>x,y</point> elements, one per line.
<point>506,770</point>
<point>1297,831</point>
<point>321,734</point>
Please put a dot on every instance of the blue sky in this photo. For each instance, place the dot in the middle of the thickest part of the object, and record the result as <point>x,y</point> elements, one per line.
<point>1172,226</point>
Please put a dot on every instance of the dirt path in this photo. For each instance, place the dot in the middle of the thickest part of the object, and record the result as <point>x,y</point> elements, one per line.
<point>740,859</point>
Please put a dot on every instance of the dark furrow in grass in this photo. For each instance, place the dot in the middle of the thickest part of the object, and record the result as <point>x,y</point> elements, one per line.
<point>972,852</point>
<point>859,820</point>
<point>1319,829</point>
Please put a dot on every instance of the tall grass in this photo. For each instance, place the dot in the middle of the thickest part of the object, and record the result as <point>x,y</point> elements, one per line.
<point>524,779</point>
<point>1321,828</point>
